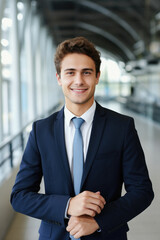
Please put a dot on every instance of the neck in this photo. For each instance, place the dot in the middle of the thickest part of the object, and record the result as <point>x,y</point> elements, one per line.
<point>79,109</point>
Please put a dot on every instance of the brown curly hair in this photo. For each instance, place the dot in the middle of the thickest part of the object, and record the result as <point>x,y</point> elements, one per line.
<point>76,45</point>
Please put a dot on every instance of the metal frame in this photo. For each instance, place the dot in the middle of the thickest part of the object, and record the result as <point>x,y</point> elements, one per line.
<point>113,16</point>
<point>16,87</point>
<point>108,36</point>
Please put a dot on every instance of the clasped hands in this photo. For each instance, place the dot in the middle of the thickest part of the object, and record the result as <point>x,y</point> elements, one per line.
<point>82,209</point>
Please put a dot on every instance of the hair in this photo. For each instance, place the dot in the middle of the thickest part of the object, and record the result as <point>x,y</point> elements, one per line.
<point>76,45</point>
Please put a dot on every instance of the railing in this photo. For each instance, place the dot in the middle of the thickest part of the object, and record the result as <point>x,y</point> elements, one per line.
<point>150,110</point>
<point>7,149</point>
<point>17,142</point>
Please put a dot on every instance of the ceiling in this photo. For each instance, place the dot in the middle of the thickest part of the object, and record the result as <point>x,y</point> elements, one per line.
<point>125,28</point>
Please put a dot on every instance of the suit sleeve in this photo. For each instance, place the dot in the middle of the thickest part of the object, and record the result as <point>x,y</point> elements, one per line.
<point>25,197</point>
<point>139,193</point>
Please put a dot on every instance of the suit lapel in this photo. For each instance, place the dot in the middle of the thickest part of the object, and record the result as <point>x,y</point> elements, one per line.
<point>95,139</point>
<point>60,141</point>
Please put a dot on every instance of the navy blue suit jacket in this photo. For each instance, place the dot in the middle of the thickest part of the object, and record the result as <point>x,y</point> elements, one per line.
<point>114,157</point>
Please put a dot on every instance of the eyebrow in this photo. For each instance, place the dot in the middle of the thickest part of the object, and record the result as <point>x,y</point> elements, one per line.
<point>84,69</point>
<point>88,69</point>
<point>69,69</point>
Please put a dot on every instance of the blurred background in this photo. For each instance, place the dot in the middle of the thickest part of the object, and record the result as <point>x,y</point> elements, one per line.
<point>127,33</point>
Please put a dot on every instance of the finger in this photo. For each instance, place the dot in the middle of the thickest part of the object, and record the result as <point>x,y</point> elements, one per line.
<point>69,228</point>
<point>99,196</point>
<point>74,231</point>
<point>71,224</point>
<point>97,202</point>
<point>78,234</point>
<point>90,209</point>
<point>74,227</point>
<point>94,195</point>
<point>94,207</point>
<point>92,212</point>
<point>89,212</point>
<point>94,201</point>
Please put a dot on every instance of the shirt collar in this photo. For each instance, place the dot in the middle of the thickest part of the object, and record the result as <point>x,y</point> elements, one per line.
<point>87,116</point>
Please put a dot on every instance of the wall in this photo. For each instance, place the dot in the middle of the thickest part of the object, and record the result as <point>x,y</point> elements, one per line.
<point>6,211</point>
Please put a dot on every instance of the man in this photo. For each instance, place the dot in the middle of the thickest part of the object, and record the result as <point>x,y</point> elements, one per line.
<point>112,155</point>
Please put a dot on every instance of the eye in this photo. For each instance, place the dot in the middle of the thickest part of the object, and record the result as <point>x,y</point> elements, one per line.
<point>70,73</point>
<point>87,73</point>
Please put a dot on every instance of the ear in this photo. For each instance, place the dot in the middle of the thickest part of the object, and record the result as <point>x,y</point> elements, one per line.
<point>58,79</point>
<point>97,77</point>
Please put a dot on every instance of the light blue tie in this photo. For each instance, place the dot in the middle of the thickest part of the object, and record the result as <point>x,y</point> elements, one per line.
<point>77,156</point>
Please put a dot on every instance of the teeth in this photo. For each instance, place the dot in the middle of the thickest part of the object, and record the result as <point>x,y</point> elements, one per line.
<point>79,90</point>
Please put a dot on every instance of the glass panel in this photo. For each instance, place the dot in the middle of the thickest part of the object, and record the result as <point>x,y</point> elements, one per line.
<point>6,61</point>
<point>5,102</point>
<point>20,12</point>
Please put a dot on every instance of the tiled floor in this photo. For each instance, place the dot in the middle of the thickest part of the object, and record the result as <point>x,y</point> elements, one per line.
<point>146,226</point>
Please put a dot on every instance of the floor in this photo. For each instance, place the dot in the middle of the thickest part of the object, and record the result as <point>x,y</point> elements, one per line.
<point>146,226</point>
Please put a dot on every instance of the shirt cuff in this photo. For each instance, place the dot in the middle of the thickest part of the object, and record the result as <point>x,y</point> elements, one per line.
<point>66,216</point>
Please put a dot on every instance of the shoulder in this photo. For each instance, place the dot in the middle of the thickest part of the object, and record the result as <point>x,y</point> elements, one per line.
<point>112,115</point>
<point>116,123</point>
<point>48,121</point>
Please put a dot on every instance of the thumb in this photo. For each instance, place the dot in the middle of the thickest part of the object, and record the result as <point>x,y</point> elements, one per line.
<point>98,192</point>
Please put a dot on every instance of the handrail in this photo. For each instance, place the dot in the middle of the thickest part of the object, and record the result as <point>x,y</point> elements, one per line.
<point>10,140</point>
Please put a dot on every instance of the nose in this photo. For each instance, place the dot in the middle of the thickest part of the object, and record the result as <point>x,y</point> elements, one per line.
<point>78,79</point>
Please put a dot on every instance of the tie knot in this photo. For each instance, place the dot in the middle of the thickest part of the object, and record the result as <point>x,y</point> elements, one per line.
<point>77,122</point>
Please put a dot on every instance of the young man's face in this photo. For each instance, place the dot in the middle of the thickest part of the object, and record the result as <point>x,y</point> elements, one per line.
<point>78,80</point>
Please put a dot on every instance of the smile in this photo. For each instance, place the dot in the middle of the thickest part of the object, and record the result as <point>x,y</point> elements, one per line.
<point>79,90</point>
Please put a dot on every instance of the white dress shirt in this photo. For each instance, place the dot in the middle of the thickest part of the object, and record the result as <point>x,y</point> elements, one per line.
<point>70,130</point>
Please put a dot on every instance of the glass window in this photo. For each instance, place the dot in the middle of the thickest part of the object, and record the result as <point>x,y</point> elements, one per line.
<point>6,63</point>
<point>24,86</point>
<point>6,108</point>
<point>27,79</point>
